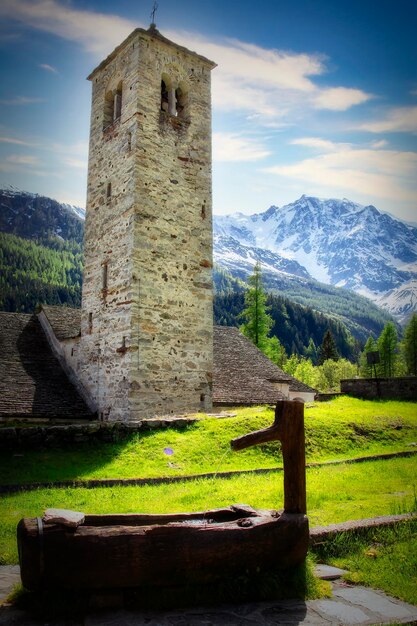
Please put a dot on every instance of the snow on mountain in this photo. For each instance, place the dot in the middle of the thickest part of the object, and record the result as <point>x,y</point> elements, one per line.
<point>77,210</point>
<point>402,301</point>
<point>336,242</point>
<point>32,216</point>
<point>12,191</point>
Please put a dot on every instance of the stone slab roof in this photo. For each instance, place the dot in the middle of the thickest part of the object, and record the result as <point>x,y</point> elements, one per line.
<point>32,382</point>
<point>297,385</point>
<point>242,374</point>
<point>64,321</point>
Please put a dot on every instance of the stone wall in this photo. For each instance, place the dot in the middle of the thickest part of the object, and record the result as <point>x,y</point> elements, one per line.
<point>67,435</point>
<point>384,388</point>
<point>146,331</point>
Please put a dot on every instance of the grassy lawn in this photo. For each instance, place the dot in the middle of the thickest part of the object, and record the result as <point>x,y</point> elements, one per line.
<point>340,429</point>
<point>383,558</point>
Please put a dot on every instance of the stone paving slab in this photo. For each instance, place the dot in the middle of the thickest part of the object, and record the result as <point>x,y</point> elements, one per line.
<point>9,577</point>
<point>328,572</point>
<point>350,605</point>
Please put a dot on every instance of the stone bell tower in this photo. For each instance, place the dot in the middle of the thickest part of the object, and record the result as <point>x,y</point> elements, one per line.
<point>147,320</point>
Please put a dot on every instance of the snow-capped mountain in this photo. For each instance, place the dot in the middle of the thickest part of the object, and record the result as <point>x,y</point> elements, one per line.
<point>77,210</point>
<point>336,242</point>
<point>32,216</point>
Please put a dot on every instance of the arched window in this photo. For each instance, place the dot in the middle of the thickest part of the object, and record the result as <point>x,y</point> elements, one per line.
<point>174,99</point>
<point>112,106</point>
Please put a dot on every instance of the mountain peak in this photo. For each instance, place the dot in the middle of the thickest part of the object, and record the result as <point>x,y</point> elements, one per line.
<point>338,242</point>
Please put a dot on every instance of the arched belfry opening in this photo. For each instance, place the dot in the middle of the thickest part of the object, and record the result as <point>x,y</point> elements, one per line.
<point>174,97</point>
<point>112,106</point>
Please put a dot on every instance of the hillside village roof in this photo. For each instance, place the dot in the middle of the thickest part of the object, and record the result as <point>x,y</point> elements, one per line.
<point>32,382</point>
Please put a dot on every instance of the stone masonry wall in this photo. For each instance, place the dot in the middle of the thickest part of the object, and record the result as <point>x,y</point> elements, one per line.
<point>146,344</point>
<point>173,238</point>
<point>385,388</point>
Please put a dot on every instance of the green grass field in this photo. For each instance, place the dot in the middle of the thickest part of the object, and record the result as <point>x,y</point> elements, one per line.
<point>383,558</point>
<point>341,429</point>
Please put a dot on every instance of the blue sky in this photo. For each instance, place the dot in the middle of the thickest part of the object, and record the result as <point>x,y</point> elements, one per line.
<point>316,97</point>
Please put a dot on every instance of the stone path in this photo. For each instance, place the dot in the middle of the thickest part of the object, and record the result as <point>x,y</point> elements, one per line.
<point>350,605</point>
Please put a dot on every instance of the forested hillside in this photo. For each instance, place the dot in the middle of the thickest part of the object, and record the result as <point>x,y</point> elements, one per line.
<point>32,273</point>
<point>41,257</point>
<point>294,325</point>
<point>39,218</point>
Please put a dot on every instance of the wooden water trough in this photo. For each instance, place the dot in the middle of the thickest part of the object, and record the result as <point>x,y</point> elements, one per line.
<point>131,551</point>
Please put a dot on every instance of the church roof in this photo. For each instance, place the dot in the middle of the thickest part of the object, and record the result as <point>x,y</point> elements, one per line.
<point>32,382</point>
<point>243,374</point>
<point>152,33</point>
<point>64,321</point>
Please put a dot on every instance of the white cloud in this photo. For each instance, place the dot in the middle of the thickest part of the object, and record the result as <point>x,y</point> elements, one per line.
<point>272,83</point>
<point>97,32</point>
<point>233,147</point>
<point>381,143</point>
<point>48,68</point>
<point>367,172</point>
<point>22,159</point>
<point>13,140</point>
<point>399,119</point>
<point>340,98</point>
<point>21,100</point>
<point>77,163</point>
<point>255,65</point>
<point>80,148</point>
<point>315,142</point>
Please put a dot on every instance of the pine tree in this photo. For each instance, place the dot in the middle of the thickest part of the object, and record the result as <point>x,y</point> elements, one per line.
<point>410,345</point>
<point>311,351</point>
<point>366,370</point>
<point>258,321</point>
<point>387,346</point>
<point>328,350</point>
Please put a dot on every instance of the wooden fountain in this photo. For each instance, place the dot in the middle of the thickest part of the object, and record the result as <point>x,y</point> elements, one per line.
<point>131,551</point>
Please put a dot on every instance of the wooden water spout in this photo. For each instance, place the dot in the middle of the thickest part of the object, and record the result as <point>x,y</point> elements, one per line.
<point>288,427</point>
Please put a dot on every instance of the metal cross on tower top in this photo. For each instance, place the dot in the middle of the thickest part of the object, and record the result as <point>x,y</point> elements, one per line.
<point>153,12</point>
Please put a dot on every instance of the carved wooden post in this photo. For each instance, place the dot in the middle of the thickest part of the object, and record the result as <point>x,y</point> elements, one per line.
<point>288,427</point>
<point>291,415</point>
